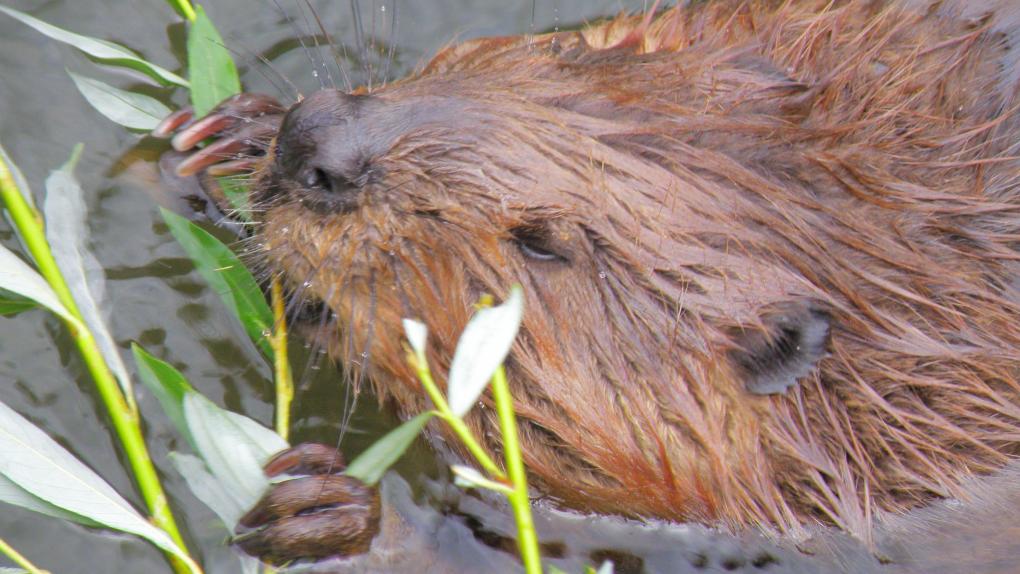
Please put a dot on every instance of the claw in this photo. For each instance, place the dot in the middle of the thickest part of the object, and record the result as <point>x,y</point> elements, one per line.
<point>173,122</point>
<point>306,458</point>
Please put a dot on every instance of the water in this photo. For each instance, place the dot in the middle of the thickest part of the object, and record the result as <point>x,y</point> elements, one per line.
<point>158,299</point>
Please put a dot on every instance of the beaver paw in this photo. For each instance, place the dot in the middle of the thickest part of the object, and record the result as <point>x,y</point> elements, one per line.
<point>244,125</point>
<point>319,516</point>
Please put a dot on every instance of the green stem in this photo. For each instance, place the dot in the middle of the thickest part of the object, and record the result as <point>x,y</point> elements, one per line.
<point>527,539</point>
<point>281,364</point>
<point>455,422</point>
<point>122,409</point>
<point>184,8</point>
<point>18,559</point>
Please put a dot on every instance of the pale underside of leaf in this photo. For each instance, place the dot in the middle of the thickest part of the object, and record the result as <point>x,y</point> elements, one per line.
<point>482,348</point>
<point>225,445</point>
<point>11,493</point>
<point>64,210</point>
<point>129,109</point>
<point>43,469</point>
<point>17,277</point>
<point>100,49</point>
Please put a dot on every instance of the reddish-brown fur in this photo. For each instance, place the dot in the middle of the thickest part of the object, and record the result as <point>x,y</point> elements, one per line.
<point>697,170</point>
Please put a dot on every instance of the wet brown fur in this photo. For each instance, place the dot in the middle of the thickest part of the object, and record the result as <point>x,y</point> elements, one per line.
<point>696,170</point>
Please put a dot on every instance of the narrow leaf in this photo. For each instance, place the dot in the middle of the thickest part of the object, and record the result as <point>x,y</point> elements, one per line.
<point>213,493</point>
<point>417,335</point>
<point>17,277</point>
<point>483,346</point>
<point>467,477</point>
<point>171,388</point>
<point>11,493</point>
<point>19,178</point>
<point>212,71</point>
<point>227,276</point>
<point>107,52</point>
<point>167,384</point>
<point>216,496</point>
<point>372,464</point>
<point>131,110</point>
<point>67,235</point>
<point>606,568</point>
<point>11,304</point>
<point>42,468</point>
<point>232,448</point>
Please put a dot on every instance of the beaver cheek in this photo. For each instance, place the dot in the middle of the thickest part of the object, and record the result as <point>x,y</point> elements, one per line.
<point>787,345</point>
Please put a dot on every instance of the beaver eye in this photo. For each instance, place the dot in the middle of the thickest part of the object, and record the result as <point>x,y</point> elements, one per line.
<point>535,244</point>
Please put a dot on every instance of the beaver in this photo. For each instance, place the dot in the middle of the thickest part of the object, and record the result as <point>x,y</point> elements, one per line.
<point>769,249</point>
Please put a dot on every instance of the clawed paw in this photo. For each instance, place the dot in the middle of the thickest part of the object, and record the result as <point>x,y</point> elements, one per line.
<point>318,516</point>
<point>243,126</point>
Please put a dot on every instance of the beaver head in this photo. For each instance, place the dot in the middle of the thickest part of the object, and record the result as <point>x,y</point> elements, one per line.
<point>764,251</point>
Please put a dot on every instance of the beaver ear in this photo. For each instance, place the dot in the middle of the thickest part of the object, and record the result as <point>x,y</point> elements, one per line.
<point>792,341</point>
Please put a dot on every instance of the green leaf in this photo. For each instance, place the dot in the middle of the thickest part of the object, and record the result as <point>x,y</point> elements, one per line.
<point>43,469</point>
<point>482,348</point>
<point>227,276</point>
<point>67,234</point>
<point>11,304</point>
<point>235,189</point>
<point>107,52</point>
<point>17,277</point>
<point>372,464</point>
<point>211,69</point>
<point>167,384</point>
<point>131,110</point>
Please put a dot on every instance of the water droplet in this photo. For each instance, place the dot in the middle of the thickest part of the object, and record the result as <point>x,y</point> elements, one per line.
<point>382,8</point>
<point>314,367</point>
<point>307,283</point>
<point>364,354</point>
<point>602,274</point>
<point>315,74</point>
<point>267,333</point>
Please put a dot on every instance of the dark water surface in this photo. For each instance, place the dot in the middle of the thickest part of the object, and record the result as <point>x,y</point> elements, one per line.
<point>157,298</point>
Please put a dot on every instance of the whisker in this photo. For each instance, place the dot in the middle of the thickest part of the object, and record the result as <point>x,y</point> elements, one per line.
<point>315,42</point>
<point>391,51</point>
<point>300,37</point>
<point>359,37</point>
<point>332,49</point>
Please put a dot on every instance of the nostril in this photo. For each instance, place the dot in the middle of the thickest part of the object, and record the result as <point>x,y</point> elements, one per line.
<point>315,178</point>
<point>320,180</point>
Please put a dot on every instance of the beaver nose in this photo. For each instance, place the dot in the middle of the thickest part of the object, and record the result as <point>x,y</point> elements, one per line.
<point>326,146</point>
